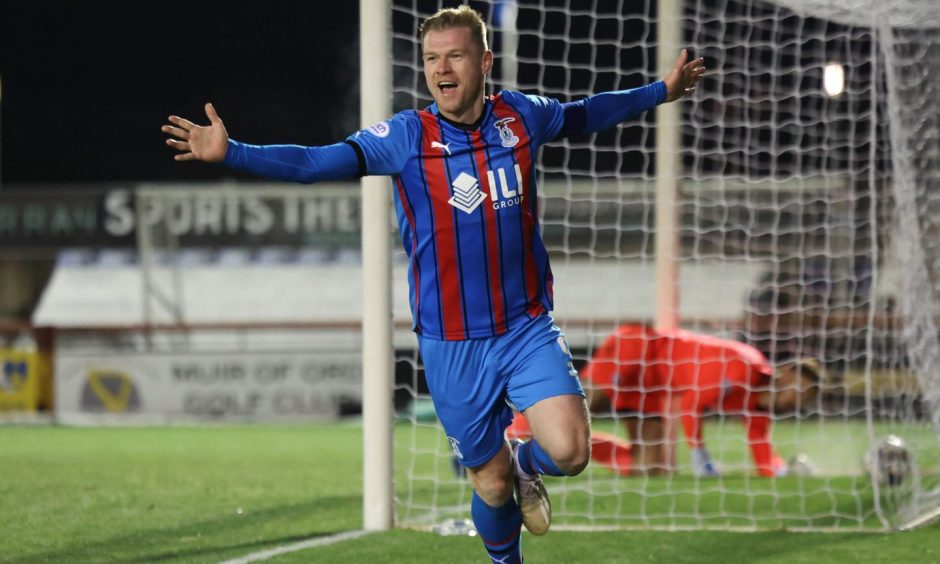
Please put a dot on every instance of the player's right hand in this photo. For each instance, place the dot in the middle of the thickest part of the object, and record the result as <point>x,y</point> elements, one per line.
<point>197,142</point>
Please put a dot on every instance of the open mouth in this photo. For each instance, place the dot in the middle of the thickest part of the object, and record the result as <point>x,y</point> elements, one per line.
<point>447,87</point>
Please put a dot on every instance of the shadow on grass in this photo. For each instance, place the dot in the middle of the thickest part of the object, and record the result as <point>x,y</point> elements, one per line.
<point>206,540</point>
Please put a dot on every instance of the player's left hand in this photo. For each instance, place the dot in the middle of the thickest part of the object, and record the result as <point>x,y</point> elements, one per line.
<point>683,77</point>
<point>702,465</point>
<point>207,143</point>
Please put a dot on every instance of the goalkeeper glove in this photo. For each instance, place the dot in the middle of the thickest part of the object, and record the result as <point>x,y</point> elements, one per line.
<point>702,464</point>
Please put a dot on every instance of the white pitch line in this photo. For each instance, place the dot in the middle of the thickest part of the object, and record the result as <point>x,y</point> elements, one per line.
<point>302,545</point>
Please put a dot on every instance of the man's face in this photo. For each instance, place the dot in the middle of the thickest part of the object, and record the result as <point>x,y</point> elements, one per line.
<point>454,68</point>
<point>792,391</point>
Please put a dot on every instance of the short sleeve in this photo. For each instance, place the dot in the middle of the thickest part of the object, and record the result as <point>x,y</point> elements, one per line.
<point>545,116</point>
<point>386,146</point>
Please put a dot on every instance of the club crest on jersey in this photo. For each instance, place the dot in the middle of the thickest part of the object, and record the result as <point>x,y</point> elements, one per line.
<point>509,138</point>
<point>467,195</point>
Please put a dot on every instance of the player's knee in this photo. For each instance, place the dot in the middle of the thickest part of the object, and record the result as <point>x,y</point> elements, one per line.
<point>578,461</point>
<point>573,458</point>
<point>494,490</point>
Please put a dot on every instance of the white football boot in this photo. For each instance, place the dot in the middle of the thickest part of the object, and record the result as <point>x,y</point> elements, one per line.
<point>532,496</point>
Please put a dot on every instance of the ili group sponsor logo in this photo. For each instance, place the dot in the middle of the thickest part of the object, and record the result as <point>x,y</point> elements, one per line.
<point>468,195</point>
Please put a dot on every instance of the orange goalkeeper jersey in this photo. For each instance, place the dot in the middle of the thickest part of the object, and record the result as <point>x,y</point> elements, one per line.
<point>652,372</point>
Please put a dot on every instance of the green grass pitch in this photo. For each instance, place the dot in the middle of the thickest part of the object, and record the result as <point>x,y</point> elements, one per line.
<point>206,494</point>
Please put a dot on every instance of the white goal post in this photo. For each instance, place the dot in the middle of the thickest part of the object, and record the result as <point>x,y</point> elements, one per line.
<point>375,81</point>
<point>793,203</point>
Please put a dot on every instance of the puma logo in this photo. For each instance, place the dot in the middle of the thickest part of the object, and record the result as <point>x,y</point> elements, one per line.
<point>438,145</point>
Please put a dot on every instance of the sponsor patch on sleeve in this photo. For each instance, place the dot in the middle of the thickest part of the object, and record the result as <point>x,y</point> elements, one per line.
<point>380,130</point>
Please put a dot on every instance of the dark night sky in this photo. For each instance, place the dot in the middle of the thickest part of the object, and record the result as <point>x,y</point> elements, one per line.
<point>86,85</point>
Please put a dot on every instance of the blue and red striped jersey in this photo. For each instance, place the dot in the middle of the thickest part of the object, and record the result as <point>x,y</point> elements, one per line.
<point>466,198</point>
<point>467,203</point>
<point>467,207</point>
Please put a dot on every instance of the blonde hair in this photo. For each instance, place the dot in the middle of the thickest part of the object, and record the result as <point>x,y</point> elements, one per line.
<point>464,16</point>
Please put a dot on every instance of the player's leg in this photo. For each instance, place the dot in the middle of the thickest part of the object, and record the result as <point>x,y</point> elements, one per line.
<point>543,384</point>
<point>615,383</point>
<point>494,510</point>
<point>561,432</point>
<point>493,480</point>
<point>468,396</point>
<point>671,406</point>
<point>607,450</point>
<point>561,424</point>
<point>653,431</point>
<point>650,448</point>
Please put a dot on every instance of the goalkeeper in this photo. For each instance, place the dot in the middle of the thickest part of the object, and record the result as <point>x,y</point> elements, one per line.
<point>480,284</point>
<point>652,378</point>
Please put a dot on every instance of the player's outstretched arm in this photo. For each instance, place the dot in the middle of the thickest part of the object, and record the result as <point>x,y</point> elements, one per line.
<point>768,462</point>
<point>689,410</point>
<point>198,142</point>
<point>291,163</point>
<point>607,109</point>
<point>683,77</point>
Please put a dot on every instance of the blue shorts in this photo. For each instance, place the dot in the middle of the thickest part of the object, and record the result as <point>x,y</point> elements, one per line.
<point>473,382</point>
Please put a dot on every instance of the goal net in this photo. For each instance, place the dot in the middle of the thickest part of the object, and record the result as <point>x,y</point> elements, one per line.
<point>807,226</point>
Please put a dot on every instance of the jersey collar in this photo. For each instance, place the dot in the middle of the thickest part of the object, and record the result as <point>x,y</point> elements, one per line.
<point>487,108</point>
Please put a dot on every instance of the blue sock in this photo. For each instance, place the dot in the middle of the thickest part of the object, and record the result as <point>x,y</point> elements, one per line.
<point>534,460</point>
<point>499,528</point>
